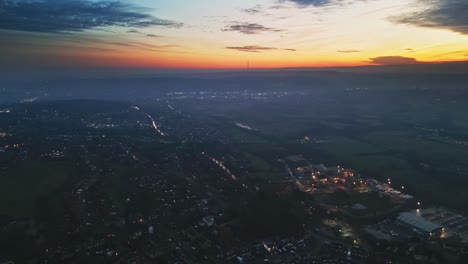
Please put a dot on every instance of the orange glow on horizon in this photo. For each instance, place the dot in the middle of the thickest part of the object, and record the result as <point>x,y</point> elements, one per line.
<point>221,58</point>
<point>132,60</point>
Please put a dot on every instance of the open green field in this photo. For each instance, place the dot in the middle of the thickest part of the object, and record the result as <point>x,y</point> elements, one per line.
<point>418,138</point>
<point>23,182</point>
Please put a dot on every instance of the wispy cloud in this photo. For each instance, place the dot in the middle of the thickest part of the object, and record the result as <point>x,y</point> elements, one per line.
<point>63,43</point>
<point>249,28</point>
<point>393,60</point>
<point>305,3</point>
<point>251,48</point>
<point>133,31</point>
<point>348,51</point>
<point>315,3</point>
<point>445,14</point>
<point>255,48</point>
<point>146,46</point>
<point>54,16</point>
<point>253,10</point>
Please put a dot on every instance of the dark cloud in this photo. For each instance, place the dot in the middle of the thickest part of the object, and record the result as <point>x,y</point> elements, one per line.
<point>290,49</point>
<point>251,48</point>
<point>249,28</point>
<point>253,10</point>
<point>133,31</point>
<point>348,51</point>
<point>276,7</point>
<point>55,16</point>
<point>145,46</point>
<point>393,60</point>
<point>305,3</point>
<point>317,3</point>
<point>446,14</point>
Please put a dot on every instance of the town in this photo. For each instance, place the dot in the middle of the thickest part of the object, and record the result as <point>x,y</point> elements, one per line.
<point>171,189</point>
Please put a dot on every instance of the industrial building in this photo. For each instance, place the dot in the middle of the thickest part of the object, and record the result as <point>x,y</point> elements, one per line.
<point>419,224</point>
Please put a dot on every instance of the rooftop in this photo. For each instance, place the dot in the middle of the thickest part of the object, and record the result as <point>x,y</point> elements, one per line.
<point>418,222</point>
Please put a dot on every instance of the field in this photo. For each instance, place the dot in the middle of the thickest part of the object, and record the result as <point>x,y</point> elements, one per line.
<point>24,182</point>
<point>419,141</point>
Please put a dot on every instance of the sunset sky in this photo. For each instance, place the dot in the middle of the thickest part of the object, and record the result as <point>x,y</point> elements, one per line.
<point>229,33</point>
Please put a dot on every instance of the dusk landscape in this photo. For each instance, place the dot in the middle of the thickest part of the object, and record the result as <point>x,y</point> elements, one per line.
<point>261,131</point>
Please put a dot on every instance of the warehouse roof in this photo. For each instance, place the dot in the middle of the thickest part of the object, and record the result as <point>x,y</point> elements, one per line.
<point>418,222</point>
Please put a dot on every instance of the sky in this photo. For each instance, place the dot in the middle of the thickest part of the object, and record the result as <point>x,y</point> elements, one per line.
<point>231,33</point>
